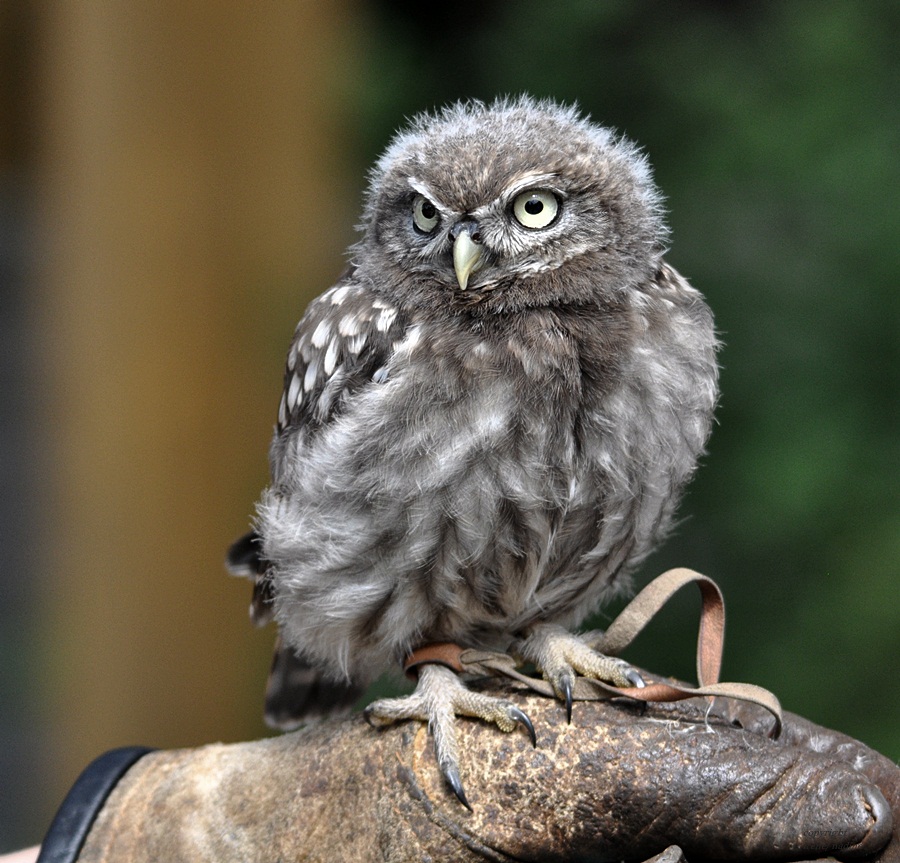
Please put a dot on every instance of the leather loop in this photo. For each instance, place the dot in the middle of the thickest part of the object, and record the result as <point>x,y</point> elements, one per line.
<point>644,607</point>
<point>437,653</point>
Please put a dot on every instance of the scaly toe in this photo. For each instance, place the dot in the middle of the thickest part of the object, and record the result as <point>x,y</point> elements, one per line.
<point>498,711</point>
<point>387,711</point>
<point>560,655</point>
<point>440,697</point>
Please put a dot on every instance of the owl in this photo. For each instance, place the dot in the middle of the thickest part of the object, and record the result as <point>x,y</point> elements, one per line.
<point>486,423</point>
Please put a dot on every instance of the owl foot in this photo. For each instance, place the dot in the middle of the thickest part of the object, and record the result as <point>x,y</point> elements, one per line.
<point>440,696</point>
<point>560,655</point>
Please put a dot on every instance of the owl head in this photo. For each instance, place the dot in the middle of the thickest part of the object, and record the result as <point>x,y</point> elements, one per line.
<point>517,202</point>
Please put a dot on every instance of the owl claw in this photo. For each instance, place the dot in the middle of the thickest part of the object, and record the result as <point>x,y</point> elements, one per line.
<point>369,716</point>
<point>565,684</point>
<point>440,696</point>
<point>560,655</point>
<point>522,718</point>
<point>451,774</point>
<point>633,676</point>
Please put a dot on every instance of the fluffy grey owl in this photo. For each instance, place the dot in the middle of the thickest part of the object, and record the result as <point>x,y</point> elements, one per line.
<point>486,423</point>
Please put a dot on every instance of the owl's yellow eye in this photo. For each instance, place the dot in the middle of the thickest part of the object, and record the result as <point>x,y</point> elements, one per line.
<point>425,214</point>
<point>535,208</point>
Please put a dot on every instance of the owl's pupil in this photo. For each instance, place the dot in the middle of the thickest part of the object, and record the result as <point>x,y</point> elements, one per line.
<point>533,207</point>
<point>428,210</point>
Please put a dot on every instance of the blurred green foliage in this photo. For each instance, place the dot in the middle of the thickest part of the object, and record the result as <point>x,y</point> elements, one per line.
<point>773,129</point>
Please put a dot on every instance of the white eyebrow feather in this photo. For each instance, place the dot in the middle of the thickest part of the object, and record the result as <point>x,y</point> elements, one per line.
<point>531,180</point>
<point>422,189</point>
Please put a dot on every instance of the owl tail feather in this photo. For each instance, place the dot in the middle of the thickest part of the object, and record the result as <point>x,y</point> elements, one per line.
<point>245,559</point>
<point>296,692</point>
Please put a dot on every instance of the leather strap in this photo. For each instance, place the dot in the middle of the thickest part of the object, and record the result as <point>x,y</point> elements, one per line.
<point>72,822</point>
<point>646,605</point>
<point>437,653</point>
<point>621,632</point>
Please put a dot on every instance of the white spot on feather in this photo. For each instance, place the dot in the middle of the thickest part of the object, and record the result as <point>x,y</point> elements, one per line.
<point>573,488</point>
<point>294,393</point>
<point>492,421</point>
<point>408,344</point>
<point>356,344</point>
<point>321,334</point>
<point>338,295</point>
<point>330,357</point>
<point>349,325</point>
<point>385,319</point>
<point>309,381</point>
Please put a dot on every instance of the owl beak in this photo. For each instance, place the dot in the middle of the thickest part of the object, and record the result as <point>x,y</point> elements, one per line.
<point>467,257</point>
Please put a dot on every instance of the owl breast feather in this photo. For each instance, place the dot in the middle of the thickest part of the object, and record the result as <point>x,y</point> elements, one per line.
<point>483,480</point>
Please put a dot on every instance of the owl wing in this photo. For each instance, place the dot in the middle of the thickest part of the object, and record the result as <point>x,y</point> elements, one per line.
<point>341,345</point>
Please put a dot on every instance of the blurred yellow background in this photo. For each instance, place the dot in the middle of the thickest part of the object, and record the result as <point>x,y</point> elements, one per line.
<point>187,196</point>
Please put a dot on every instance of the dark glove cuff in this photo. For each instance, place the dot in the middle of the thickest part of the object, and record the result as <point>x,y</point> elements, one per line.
<point>73,820</point>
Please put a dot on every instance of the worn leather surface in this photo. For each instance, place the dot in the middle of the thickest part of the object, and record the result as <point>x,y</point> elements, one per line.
<point>614,785</point>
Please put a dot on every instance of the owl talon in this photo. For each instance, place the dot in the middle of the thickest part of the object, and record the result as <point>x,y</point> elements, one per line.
<point>634,678</point>
<point>369,716</point>
<point>522,718</point>
<point>440,696</point>
<point>560,655</point>
<point>565,684</point>
<point>451,774</point>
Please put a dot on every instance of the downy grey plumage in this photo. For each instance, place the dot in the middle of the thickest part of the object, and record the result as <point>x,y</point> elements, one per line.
<point>488,421</point>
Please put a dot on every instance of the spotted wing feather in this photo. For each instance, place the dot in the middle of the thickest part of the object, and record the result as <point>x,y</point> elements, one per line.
<point>341,345</point>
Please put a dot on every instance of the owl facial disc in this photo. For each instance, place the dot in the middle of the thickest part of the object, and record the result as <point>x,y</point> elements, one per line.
<point>468,256</point>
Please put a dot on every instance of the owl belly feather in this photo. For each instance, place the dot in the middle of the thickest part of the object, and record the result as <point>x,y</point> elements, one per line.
<point>515,487</point>
<point>424,513</point>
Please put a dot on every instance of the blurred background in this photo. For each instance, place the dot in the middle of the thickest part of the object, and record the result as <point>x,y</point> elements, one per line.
<point>177,180</point>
